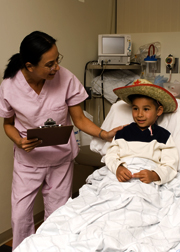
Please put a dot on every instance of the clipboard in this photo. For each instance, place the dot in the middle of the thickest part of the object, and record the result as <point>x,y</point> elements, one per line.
<point>52,135</point>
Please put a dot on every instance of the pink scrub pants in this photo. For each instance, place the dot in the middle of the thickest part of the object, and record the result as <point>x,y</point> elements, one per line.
<point>56,189</point>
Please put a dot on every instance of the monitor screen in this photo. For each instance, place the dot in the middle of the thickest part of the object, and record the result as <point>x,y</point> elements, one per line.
<point>113,45</point>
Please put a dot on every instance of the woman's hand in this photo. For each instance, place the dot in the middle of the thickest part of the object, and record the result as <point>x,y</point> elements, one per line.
<point>108,135</point>
<point>86,125</point>
<point>13,134</point>
<point>123,174</point>
<point>28,145</point>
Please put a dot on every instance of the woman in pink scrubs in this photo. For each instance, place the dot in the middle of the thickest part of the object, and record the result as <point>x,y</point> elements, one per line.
<point>34,89</point>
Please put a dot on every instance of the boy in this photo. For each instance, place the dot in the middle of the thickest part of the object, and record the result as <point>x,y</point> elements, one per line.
<point>144,150</point>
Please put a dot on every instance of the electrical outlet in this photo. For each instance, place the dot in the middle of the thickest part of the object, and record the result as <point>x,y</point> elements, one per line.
<point>175,68</point>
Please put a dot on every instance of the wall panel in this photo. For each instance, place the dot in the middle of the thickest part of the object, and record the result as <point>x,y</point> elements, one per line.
<point>148,16</point>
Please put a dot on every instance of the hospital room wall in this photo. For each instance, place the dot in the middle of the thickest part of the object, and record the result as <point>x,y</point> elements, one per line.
<point>151,21</point>
<point>76,26</point>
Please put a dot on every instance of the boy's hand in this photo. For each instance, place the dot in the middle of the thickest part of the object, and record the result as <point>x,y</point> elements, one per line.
<point>123,174</point>
<point>146,176</point>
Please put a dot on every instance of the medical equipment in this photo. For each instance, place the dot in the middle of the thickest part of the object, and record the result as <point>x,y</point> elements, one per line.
<point>151,64</point>
<point>172,65</point>
<point>170,60</point>
<point>114,49</point>
<point>143,50</point>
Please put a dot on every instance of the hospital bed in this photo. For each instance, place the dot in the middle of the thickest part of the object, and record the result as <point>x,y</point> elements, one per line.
<point>110,216</point>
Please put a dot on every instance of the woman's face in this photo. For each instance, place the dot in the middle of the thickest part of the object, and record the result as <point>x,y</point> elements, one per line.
<point>48,65</point>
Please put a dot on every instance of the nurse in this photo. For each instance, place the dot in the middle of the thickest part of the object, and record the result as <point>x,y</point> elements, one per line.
<point>34,89</point>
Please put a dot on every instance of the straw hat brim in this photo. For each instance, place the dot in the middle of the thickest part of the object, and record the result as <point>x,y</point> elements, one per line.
<point>158,93</point>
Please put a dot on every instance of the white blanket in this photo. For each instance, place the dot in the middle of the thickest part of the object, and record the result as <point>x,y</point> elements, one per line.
<point>110,216</point>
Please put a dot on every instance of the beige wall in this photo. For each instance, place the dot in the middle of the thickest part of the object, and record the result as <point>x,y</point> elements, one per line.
<point>143,16</point>
<point>151,21</point>
<point>76,26</point>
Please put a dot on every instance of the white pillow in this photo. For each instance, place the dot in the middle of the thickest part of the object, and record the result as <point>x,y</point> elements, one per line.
<point>121,114</point>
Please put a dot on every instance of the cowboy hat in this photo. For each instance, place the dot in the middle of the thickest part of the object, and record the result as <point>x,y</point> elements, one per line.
<point>144,87</point>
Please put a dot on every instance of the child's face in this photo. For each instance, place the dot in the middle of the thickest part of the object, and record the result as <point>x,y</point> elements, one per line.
<point>144,112</point>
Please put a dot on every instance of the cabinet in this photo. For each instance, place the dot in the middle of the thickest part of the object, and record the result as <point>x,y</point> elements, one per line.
<point>97,105</point>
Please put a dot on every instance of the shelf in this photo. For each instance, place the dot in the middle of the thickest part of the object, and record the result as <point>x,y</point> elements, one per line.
<point>97,66</point>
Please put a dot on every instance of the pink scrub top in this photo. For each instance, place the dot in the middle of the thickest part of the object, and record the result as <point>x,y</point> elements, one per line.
<point>32,110</point>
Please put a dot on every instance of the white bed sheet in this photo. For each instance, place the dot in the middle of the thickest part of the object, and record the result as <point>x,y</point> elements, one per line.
<point>109,216</point>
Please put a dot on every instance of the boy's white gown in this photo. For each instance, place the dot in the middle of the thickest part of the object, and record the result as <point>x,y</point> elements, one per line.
<point>154,145</point>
